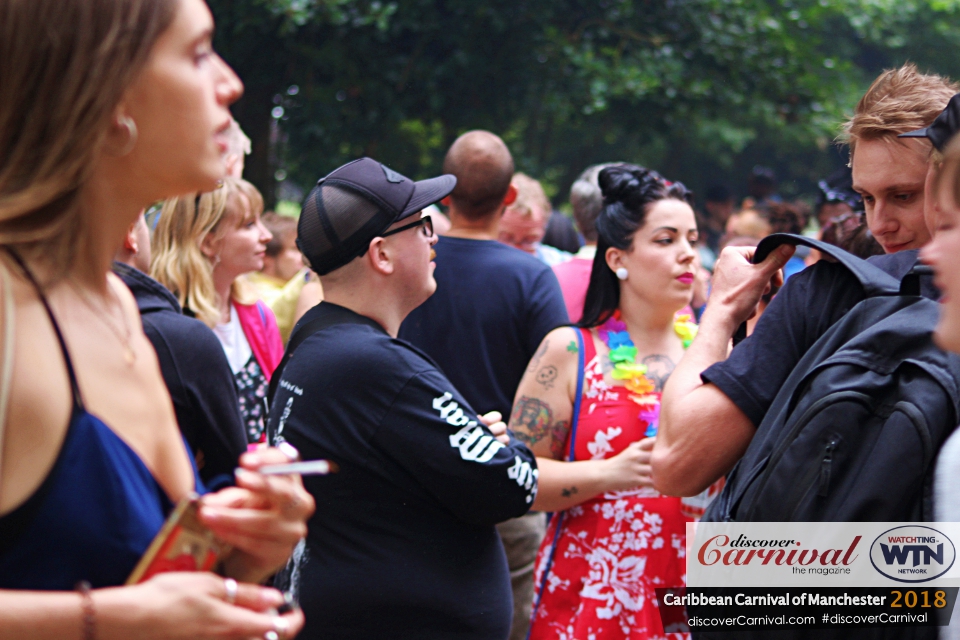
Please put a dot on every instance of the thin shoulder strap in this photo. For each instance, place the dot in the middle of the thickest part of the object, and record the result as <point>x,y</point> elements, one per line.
<point>6,367</point>
<point>74,387</point>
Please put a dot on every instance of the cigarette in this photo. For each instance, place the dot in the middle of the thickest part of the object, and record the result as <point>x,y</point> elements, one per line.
<point>309,468</point>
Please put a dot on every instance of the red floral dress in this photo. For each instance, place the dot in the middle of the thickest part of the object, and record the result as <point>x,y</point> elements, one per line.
<point>596,576</point>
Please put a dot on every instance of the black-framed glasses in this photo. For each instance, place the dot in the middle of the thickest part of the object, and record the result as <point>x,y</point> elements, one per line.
<point>426,221</point>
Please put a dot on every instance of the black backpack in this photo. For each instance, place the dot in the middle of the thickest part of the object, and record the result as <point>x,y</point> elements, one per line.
<point>854,432</point>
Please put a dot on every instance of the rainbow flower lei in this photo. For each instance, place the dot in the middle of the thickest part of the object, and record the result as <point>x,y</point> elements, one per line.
<point>623,357</point>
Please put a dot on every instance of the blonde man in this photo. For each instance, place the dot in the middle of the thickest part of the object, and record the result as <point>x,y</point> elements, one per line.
<point>713,403</point>
<point>525,221</point>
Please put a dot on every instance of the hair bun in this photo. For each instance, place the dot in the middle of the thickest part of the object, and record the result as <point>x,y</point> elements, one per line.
<point>631,185</point>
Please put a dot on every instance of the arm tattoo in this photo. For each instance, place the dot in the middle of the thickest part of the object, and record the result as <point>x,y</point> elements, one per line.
<point>532,421</point>
<point>538,356</point>
<point>566,493</point>
<point>659,369</point>
<point>547,375</point>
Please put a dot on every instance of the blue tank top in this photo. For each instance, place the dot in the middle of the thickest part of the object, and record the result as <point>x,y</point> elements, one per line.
<point>95,513</point>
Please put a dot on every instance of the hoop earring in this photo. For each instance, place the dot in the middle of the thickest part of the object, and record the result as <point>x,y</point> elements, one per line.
<point>127,123</point>
<point>622,273</point>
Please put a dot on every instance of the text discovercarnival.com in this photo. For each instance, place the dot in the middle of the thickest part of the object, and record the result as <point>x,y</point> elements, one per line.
<point>815,575</point>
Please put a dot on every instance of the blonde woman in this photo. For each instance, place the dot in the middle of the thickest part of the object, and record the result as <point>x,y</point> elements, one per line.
<point>203,244</point>
<point>109,106</point>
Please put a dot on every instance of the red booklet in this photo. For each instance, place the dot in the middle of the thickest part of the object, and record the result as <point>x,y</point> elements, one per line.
<point>183,544</point>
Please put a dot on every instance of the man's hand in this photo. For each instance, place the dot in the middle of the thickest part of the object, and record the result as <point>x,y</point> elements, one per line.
<point>494,422</point>
<point>738,284</point>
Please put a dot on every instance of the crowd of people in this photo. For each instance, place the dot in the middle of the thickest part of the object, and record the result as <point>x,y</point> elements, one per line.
<point>522,411</point>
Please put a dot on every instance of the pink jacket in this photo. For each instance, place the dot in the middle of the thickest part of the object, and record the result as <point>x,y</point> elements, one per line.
<point>260,327</point>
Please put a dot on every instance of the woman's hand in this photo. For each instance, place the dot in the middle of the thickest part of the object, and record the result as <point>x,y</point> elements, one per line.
<point>191,605</point>
<point>630,468</point>
<point>263,517</point>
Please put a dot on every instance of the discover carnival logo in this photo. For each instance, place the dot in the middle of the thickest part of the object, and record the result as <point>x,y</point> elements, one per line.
<point>912,554</point>
<point>744,551</point>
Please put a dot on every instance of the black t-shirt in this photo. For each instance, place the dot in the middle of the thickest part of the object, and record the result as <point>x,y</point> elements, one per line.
<point>493,306</point>
<point>808,304</point>
<point>402,544</point>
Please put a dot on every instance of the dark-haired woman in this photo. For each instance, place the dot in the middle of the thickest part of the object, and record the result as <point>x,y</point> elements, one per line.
<point>588,407</point>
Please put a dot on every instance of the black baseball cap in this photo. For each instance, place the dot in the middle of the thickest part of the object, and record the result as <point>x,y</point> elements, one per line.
<point>356,203</point>
<point>941,130</point>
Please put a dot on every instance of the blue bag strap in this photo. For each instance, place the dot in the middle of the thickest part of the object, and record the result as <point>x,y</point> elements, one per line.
<point>576,403</point>
<point>570,457</point>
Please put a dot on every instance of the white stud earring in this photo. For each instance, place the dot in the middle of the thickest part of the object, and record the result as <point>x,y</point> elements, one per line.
<point>622,273</point>
<point>132,134</point>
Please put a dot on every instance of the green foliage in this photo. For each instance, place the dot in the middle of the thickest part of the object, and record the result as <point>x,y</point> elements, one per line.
<point>699,89</point>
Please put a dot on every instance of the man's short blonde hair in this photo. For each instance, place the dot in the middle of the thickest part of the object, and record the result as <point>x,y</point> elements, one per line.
<point>530,197</point>
<point>898,101</point>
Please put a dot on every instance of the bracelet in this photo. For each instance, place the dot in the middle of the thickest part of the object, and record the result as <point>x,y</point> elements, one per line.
<point>88,619</point>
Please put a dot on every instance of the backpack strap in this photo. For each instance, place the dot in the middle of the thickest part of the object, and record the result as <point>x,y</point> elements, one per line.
<point>874,280</point>
<point>910,285</point>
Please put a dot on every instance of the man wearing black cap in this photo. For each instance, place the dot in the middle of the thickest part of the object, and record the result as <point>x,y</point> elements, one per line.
<point>403,543</point>
<point>716,398</point>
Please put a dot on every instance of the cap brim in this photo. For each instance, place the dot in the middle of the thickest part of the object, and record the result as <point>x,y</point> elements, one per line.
<point>426,192</point>
<point>919,133</point>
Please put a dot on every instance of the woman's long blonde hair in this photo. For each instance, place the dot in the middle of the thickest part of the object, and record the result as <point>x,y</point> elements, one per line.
<point>64,67</point>
<point>180,265</point>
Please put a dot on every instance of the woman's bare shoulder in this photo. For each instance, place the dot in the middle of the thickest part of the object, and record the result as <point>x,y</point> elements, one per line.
<point>560,344</point>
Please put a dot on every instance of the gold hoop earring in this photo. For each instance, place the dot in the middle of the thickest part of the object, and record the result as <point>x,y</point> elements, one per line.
<point>127,123</point>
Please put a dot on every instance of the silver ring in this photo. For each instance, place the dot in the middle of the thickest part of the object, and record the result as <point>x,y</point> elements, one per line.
<point>281,626</point>
<point>230,585</point>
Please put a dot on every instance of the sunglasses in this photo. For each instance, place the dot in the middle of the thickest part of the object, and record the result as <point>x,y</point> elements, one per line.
<point>425,221</point>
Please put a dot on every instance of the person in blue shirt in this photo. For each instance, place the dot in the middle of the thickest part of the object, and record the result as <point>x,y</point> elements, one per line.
<point>493,306</point>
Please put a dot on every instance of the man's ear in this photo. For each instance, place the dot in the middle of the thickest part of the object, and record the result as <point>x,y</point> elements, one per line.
<point>446,202</point>
<point>614,258</point>
<point>380,257</point>
<point>511,196</point>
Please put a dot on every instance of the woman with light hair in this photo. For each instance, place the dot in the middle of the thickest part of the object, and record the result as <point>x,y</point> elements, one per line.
<point>110,105</point>
<point>203,245</point>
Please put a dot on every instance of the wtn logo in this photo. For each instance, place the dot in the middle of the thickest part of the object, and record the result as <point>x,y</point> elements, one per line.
<point>912,554</point>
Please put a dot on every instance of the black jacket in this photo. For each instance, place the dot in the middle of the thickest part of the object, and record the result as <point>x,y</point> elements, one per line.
<point>197,375</point>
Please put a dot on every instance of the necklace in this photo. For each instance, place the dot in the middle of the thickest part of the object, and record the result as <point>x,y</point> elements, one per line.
<point>623,357</point>
<point>129,355</point>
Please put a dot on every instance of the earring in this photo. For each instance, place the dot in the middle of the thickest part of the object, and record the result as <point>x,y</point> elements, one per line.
<point>622,273</point>
<point>127,123</point>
